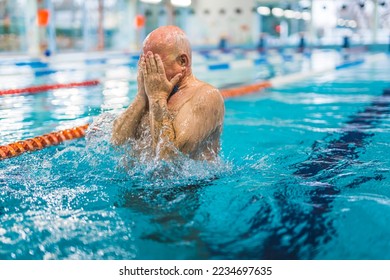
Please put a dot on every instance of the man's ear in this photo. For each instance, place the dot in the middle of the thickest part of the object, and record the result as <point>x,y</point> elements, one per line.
<point>183,60</point>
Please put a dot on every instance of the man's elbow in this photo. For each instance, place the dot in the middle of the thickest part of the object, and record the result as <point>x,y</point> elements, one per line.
<point>116,140</point>
<point>118,136</point>
<point>115,126</point>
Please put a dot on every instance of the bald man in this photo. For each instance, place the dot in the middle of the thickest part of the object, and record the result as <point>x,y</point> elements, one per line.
<point>173,112</point>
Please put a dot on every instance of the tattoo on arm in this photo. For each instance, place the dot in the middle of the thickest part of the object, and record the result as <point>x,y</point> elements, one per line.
<point>162,130</point>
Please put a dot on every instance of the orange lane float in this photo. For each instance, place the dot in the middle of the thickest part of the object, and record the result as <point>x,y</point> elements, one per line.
<point>41,88</point>
<point>232,92</point>
<point>40,142</point>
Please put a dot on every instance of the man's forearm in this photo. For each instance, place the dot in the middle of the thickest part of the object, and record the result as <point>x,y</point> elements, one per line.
<point>161,124</point>
<point>125,126</point>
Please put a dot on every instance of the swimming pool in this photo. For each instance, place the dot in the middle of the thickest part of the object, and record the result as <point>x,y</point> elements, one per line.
<point>304,174</point>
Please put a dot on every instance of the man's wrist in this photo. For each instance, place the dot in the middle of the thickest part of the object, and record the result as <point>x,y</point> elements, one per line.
<point>157,102</point>
<point>158,107</point>
<point>158,97</point>
<point>141,98</point>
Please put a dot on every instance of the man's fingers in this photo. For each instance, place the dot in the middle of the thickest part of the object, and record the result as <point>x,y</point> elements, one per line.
<point>143,66</point>
<point>140,59</point>
<point>141,72</point>
<point>140,63</point>
<point>176,79</point>
<point>152,63</point>
<point>160,65</point>
<point>147,63</point>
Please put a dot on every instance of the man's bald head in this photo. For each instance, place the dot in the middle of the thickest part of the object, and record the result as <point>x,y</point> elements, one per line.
<point>167,39</point>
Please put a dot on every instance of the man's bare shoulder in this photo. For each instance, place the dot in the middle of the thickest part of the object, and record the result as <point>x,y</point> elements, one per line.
<point>204,99</point>
<point>207,95</point>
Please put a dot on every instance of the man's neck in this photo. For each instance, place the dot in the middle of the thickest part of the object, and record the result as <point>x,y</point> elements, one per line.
<point>186,82</point>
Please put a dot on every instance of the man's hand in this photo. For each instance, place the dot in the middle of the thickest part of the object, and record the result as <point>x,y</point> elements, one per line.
<point>140,80</point>
<point>157,86</point>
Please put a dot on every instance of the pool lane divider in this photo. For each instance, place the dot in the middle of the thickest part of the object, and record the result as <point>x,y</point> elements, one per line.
<point>55,138</point>
<point>294,77</point>
<point>42,88</point>
<point>235,64</point>
<point>246,89</point>
<point>239,64</point>
<point>40,142</point>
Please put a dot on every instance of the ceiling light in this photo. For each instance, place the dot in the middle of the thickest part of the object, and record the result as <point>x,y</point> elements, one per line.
<point>151,1</point>
<point>264,11</point>
<point>297,15</point>
<point>277,12</point>
<point>181,3</point>
<point>289,13</point>
<point>341,22</point>
<point>306,16</point>
<point>352,24</point>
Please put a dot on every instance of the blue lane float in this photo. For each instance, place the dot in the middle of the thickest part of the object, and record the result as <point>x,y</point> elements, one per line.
<point>350,64</point>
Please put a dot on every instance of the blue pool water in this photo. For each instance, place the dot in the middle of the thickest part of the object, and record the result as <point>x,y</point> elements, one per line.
<point>303,174</point>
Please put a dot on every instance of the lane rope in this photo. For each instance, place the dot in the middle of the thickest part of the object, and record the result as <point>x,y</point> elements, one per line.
<point>43,141</point>
<point>41,88</point>
<point>232,92</point>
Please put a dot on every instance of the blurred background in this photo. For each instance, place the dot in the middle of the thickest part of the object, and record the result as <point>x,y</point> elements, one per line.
<point>38,27</point>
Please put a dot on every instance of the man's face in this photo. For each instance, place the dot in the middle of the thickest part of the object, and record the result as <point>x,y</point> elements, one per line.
<point>171,65</point>
<point>170,60</point>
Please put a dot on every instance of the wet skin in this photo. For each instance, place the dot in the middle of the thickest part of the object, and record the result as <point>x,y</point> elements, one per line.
<point>173,112</point>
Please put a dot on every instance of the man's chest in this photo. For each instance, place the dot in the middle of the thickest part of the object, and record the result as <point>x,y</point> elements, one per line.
<point>177,101</point>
